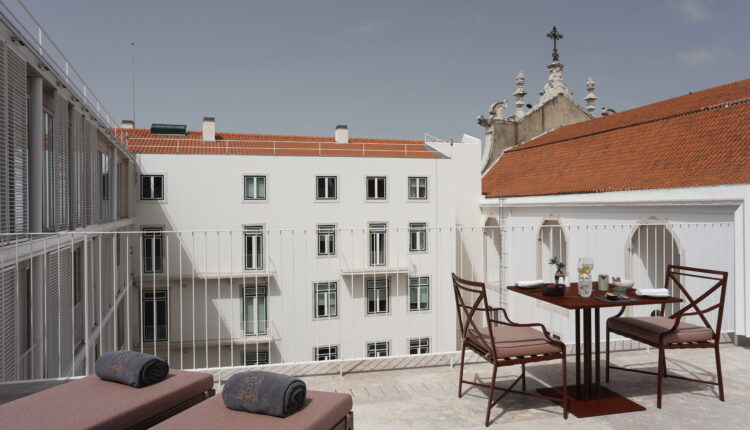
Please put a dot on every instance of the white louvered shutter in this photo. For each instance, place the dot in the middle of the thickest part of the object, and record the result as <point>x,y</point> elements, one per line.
<point>62,154</point>
<point>17,143</point>
<point>8,325</point>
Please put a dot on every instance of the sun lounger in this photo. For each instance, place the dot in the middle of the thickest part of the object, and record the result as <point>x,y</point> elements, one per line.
<point>92,403</point>
<point>322,411</point>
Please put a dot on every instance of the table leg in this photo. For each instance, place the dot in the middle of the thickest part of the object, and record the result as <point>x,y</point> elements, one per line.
<point>578,353</point>
<point>586,354</point>
<point>596,348</point>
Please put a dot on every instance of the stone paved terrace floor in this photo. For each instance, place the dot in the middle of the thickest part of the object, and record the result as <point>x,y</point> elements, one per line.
<point>425,398</point>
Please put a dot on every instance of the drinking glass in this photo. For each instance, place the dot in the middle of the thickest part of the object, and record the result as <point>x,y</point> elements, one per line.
<point>584,285</point>
<point>585,265</point>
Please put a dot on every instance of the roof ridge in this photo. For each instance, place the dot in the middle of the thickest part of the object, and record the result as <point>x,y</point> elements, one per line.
<point>725,104</point>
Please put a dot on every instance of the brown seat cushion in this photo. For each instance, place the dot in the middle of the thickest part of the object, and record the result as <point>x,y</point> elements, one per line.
<point>514,341</point>
<point>649,329</point>
<point>322,411</point>
<point>91,403</point>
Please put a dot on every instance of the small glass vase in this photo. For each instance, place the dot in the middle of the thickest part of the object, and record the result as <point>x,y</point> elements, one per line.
<point>559,278</point>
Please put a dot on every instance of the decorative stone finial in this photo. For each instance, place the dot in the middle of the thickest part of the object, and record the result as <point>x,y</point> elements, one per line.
<point>519,94</point>
<point>590,97</point>
<point>497,109</point>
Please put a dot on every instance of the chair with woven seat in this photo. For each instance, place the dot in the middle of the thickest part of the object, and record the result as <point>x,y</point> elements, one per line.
<point>671,332</point>
<point>504,344</point>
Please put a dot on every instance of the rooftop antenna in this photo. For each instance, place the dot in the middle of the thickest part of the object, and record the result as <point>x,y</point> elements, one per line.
<point>132,66</point>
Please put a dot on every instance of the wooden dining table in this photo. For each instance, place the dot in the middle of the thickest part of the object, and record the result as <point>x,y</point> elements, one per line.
<point>588,397</point>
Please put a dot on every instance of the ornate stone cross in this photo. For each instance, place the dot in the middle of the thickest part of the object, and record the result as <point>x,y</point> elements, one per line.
<point>555,36</point>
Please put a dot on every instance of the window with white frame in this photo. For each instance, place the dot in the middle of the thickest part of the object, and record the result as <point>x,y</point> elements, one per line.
<point>377,244</point>
<point>255,187</point>
<point>255,309</point>
<point>325,187</point>
<point>154,317</point>
<point>378,349</point>
<point>325,353</point>
<point>256,358</point>
<point>326,240</point>
<point>417,188</point>
<point>420,345</point>
<point>417,236</point>
<point>152,250</point>
<point>326,300</point>
<point>253,247</point>
<point>419,293</point>
<point>377,296</point>
<point>152,187</point>
<point>376,188</point>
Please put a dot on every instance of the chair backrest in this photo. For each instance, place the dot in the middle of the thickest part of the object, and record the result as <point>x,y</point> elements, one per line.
<point>693,307</point>
<point>467,309</point>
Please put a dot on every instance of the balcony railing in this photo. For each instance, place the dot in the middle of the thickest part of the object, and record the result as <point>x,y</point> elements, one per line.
<point>76,295</point>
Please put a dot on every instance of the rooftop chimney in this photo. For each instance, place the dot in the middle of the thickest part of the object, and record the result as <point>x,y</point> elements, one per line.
<point>209,128</point>
<point>342,134</point>
<point>127,123</point>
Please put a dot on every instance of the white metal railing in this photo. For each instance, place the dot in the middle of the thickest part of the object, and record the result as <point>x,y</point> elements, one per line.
<point>76,295</point>
<point>181,145</point>
<point>33,34</point>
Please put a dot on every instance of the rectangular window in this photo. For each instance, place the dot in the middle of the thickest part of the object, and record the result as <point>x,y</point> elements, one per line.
<point>419,294</point>
<point>377,244</point>
<point>152,187</point>
<point>420,345</point>
<point>325,353</point>
<point>154,316</point>
<point>326,301</point>
<point>253,247</point>
<point>378,349</point>
<point>103,175</point>
<point>417,236</point>
<point>417,188</point>
<point>255,187</point>
<point>326,240</point>
<point>376,188</point>
<point>325,187</point>
<point>256,358</point>
<point>152,250</point>
<point>256,312</point>
<point>49,172</point>
<point>377,296</point>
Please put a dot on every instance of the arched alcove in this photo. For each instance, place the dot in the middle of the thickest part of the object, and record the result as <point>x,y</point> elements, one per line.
<point>652,246</point>
<point>552,241</point>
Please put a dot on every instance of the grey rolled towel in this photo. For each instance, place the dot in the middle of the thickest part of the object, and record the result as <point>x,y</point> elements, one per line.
<point>264,393</point>
<point>131,368</point>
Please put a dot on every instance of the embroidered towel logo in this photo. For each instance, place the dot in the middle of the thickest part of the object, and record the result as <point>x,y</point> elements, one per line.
<point>250,388</point>
<point>118,365</point>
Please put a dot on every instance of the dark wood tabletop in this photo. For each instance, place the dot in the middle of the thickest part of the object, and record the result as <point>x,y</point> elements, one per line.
<point>572,300</point>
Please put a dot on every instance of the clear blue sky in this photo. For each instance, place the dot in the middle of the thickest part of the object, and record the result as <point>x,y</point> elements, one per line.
<point>386,68</point>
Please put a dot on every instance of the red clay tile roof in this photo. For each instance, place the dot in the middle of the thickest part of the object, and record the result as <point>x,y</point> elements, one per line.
<point>142,141</point>
<point>698,139</point>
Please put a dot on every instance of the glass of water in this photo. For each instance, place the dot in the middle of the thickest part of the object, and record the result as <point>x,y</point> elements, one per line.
<point>584,285</point>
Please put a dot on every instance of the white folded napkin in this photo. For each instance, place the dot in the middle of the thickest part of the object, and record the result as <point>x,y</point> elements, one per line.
<point>652,292</point>
<point>527,284</point>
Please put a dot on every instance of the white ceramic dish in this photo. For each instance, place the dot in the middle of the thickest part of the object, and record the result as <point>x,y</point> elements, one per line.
<point>625,283</point>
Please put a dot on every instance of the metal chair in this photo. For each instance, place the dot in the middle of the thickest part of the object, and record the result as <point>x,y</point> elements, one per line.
<point>504,344</point>
<point>671,332</point>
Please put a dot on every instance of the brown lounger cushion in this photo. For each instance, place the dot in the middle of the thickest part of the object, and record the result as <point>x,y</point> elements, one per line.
<point>649,329</point>
<point>92,403</point>
<point>322,411</point>
<point>514,341</point>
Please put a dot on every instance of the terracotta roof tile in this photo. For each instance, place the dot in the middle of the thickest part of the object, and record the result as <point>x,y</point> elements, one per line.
<point>697,139</point>
<point>142,141</point>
